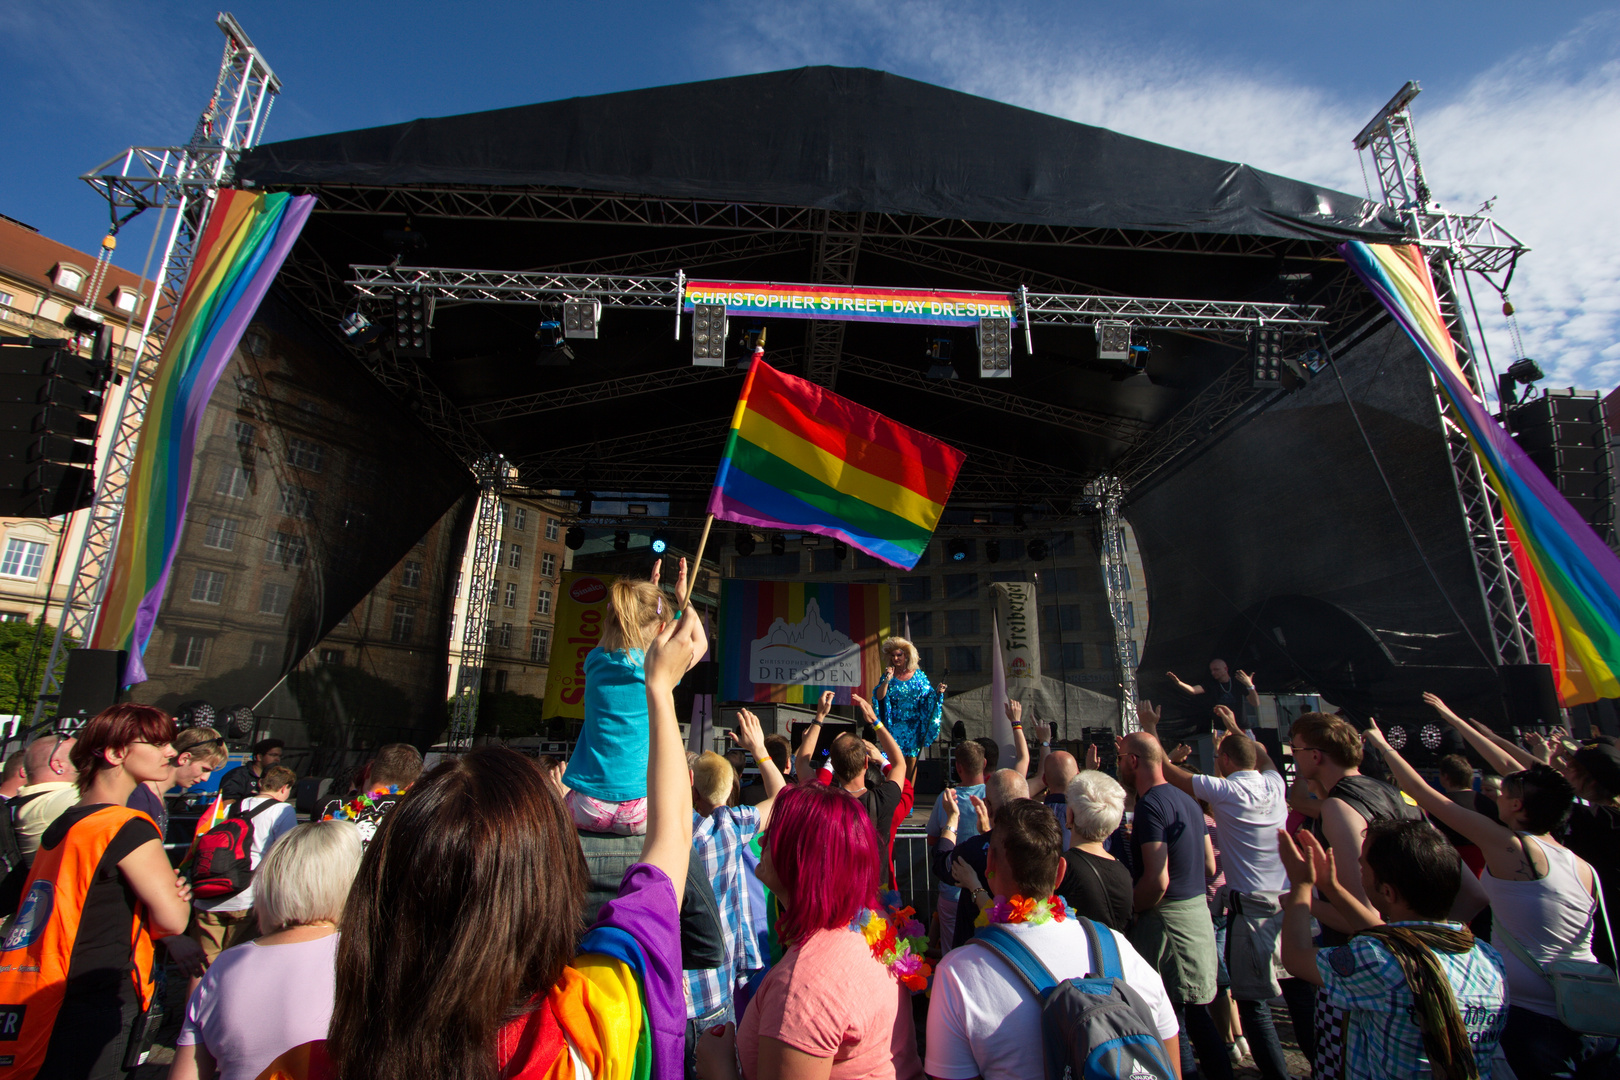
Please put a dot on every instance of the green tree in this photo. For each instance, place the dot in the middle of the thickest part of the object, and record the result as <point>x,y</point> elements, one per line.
<point>25,649</point>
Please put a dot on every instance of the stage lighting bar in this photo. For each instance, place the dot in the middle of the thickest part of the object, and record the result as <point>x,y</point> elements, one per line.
<point>995,348</point>
<point>1265,359</point>
<point>709,335</point>
<point>1113,341</point>
<point>581,318</point>
<point>413,331</point>
<point>744,543</point>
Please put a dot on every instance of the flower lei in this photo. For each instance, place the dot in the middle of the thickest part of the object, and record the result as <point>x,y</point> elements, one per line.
<point>358,805</point>
<point>1021,909</point>
<point>896,939</point>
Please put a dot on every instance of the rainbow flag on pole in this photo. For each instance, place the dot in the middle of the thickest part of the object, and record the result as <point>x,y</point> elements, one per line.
<point>242,246</point>
<point>1571,578</point>
<point>803,459</point>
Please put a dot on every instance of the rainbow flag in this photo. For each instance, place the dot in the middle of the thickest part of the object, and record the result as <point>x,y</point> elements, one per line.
<point>242,246</point>
<point>803,459</point>
<point>788,641</point>
<point>1571,578</point>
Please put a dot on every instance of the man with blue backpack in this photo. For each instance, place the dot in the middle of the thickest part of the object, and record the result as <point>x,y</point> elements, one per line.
<point>1040,991</point>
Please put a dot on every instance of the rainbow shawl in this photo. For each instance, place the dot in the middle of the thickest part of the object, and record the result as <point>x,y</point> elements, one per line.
<point>243,244</point>
<point>803,459</point>
<point>1571,578</point>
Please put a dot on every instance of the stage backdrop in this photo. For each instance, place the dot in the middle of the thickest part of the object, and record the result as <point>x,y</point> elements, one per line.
<point>582,603</point>
<point>787,641</point>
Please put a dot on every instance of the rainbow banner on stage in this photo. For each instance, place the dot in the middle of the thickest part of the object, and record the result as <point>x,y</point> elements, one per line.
<point>851,303</point>
<point>787,641</point>
<point>1571,578</point>
<point>242,246</point>
<point>803,459</point>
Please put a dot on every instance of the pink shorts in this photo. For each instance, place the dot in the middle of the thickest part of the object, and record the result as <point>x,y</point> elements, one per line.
<point>620,818</point>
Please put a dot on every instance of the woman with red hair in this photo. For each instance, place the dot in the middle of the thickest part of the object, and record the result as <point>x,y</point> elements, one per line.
<point>837,1006</point>
<point>76,970</point>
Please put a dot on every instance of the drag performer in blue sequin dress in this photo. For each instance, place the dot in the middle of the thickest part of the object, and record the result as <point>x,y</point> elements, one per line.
<point>909,706</point>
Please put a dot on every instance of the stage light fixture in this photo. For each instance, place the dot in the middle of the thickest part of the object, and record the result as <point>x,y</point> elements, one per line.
<point>995,347</point>
<point>621,540</point>
<point>413,329</point>
<point>709,335</point>
<point>810,540</point>
<point>840,550</point>
<point>778,544</point>
<point>1113,340</point>
<point>357,328</point>
<point>1523,372</point>
<point>660,543</point>
<point>992,550</point>
<point>744,543</point>
<point>939,359</point>
<point>637,509</point>
<point>581,318</point>
<point>1430,736</point>
<point>1265,359</point>
<point>958,549</point>
<point>574,538</point>
<point>554,351</point>
<point>240,721</point>
<point>1396,736</point>
<point>1036,549</point>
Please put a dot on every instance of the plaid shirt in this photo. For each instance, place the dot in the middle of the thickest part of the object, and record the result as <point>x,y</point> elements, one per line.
<point>1381,1035</point>
<point>719,840</point>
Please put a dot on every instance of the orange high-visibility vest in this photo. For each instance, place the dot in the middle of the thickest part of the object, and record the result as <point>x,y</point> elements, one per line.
<point>37,953</point>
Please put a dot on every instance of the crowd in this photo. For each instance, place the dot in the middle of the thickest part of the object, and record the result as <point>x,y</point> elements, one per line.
<point>638,911</point>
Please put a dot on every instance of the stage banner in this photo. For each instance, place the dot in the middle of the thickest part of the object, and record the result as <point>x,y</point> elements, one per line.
<point>851,303</point>
<point>1019,632</point>
<point>787,641</point>
<point>582,602</point>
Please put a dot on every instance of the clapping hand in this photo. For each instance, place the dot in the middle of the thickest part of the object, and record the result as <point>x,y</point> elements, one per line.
<point>981,810</point>
<point>1298,864</point>
<point>1227,718</point>
<point>865,707</point>
<point>1093,756</point>
<point>1181,753</point>
<point>966,876</point>
<point>953,809</point>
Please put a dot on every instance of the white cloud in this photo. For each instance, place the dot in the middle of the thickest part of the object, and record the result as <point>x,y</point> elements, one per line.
<point>1540,131</point>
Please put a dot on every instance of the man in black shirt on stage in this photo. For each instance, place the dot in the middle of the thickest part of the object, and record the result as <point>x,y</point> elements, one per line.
<point>1233,690</point>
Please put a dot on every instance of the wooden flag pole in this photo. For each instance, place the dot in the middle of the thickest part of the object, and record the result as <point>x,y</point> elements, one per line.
<point>697,563</point>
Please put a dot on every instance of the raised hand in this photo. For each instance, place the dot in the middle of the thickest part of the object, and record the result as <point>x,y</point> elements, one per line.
<point>953,809</point>
<point>1181,753</point>
<point>677,647</point>
<point>1296,863</point>
<point>1244,679</point>
<point>1093,756</point>
<point>750,735</point>
<point>1434,702</point>
<point>824,706</point>
<point>1374,736</point>
<point>1537,746</point>
<point>865,707</point>
<point>657,570</point>
<point>1148,715</point>
<point>1227,719</point>
<point>981,810</point>
<point>1015,712</point>
<point>681,584</point>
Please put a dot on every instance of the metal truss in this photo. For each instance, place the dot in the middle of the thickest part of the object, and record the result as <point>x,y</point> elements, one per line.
<point>1191,425</point>
<point>569,397</point>
<point>1057,309</point>
<point>1107,494</point>
<point>518,286</point>
<point>838,248</point>
<point>480,595</point>
<point>184,181</point>
<point>975,268</point>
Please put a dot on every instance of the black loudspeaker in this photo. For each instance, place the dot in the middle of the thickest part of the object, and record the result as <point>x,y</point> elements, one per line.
<point>930,778</point>
<point>91,682</point>
<point>50,399</point>
<point>1531,699</point>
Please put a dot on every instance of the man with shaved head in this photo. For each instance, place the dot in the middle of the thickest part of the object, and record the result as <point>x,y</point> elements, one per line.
<point>53,786</point>
<point>1051,787</point>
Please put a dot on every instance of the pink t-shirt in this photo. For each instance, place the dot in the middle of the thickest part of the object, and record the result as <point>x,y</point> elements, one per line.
<point>830,998</point>
<point>259,1001</point>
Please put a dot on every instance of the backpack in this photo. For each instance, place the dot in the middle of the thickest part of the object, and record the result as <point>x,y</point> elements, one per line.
<point>224,857</point>
<point>14,865</point>
<point>1095,1028</point>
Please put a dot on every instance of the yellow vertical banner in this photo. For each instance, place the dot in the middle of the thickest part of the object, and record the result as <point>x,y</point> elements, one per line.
<point>582,602</point>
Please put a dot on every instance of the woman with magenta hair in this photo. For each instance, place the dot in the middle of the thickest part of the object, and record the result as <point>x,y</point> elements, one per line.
<point>837,1005</point>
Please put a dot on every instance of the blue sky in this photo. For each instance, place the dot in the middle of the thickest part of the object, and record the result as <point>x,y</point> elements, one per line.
<point>1520,101</point>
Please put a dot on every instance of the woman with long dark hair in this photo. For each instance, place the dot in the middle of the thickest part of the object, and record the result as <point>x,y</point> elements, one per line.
<point>461,954</point>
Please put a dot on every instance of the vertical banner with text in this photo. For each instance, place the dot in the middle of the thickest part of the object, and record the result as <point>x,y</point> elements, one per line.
<point>1020,635</point>
<point>582,601</point>
<point>787,641</point>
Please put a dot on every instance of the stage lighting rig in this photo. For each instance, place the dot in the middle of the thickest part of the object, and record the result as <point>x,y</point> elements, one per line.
<point>357,328</point>
<point>413,325</point>
<point>744,543</point>
<point>958,549</point>
<point>840,550</point>
<point>581,318</point>
<point>554,350</point>
<point>574,538</point>
<point>621,540</point>
<point>1265,359</point>
<point>1522,372</point>
<point>1036,549</point>
<point>939,359</point>
<point>660,543</point>
<point>709,328</point>
<point>778,544</point>
<point>1113,340</point>
<point>992,550</point>
<point>995,348</point>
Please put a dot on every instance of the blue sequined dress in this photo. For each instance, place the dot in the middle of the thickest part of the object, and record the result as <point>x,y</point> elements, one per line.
<point>911,710</point>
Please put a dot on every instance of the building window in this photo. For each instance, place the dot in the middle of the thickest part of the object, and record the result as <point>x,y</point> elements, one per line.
<point>1067,656</point>
<point>221,534</point>
<point>303,454</point>
<point>514,558</point>
<point>243,432</point>
<point>13,616</point>
<point>235,482</point>
<point>1063,580</point>
<point>1064,617</point>
<point>915,590</point>
<point>511,594</point>
<point>22,559</point>
<point>260,654</point>
<point>539,644</point>
<point>1130,615</point>
<point>520,518</point>
<point>68,277</point>
<point>452,626</point>
<point>126,300</point>
<point>548,565</point>
<point>552,526</point>
<point>505,639</point>
<point>962,658</point>
<point>411,576</point>
<point>500,552</point>
<point>248,387</point>
<point>274,599</point>
<point>457,593</point>
<point>331,658</point>
<point>961,586</point>
<point>925,657</point>
<point>286,549</point>
<point>1124,579</point>
<point>962,623</point>
<point>500,681</point>
<point>921,623</point>
<point>542,603</point>
<point>188,651</point>
<point>404,621</point>
<point>1132,650</point>
<point>297,502</point>
<point>208,587</point>
<point>7,299</point>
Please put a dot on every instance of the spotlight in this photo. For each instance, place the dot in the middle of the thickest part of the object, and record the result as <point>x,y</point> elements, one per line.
<point>637,509</point>
<point>1523,371</point>
<point>958,549</point>
<point>840,550</point>
<point>744,543</point>
<point>240,721</point>
<point>621,540</point>
<point>554,351</point>
<point>357,328</point>
<point>778,544</point>
<point>1036,549</point>
<point>992,550</point>
<point>660,543</point>
<point>413,330</point>
<point>995,348</point>
<point>574,538</point>
<point>709,335</point>
<point>1397,737</point>
<point>1265,358</point>
<point>810,540</point>
<point>1430,736</point>
<point>581,318</point>
<point>196,714</point>
<point>753,340</point>
<point>1113,340</point>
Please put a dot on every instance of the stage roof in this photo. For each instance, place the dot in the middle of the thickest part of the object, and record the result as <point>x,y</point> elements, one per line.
<point>847,139</point>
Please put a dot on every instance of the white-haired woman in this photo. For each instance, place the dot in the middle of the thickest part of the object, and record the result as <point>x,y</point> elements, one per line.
<point>906,703</point>
<point>1095,884</point>
<point>267,996</point>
